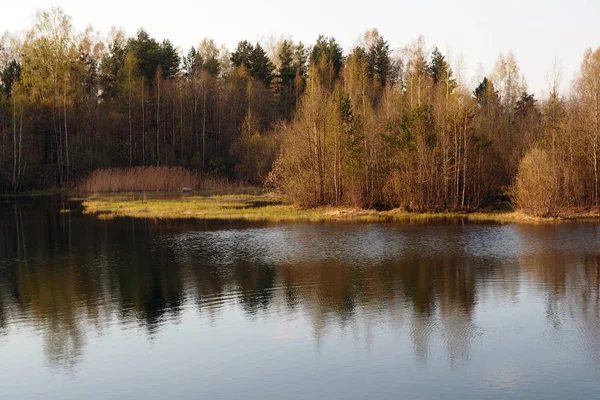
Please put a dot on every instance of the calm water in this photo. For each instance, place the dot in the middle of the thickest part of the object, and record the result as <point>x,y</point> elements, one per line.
<point>154,309</point>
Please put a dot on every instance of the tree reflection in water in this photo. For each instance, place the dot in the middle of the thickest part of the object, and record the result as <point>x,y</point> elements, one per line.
<point>67,275</point>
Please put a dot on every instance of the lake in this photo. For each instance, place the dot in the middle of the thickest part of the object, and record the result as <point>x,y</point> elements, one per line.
<point>143,309</point>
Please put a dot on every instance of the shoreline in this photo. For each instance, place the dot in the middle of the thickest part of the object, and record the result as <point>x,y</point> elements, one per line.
<point>271,208</point>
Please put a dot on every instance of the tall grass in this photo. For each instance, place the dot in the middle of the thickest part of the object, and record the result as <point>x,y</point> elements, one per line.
<point>140,179</point>
<point>152,179</point>
<point>159,179</point>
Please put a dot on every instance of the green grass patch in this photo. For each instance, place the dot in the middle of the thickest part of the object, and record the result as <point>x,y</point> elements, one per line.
<point>271,208</point>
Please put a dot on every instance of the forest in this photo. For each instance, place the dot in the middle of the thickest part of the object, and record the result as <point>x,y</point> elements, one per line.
<point>373,127</point>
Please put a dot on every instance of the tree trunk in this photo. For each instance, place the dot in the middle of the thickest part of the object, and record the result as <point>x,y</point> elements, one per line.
<point>130,124</point>
<point>321,195</point>
<point>464,163</point>
<point>158,122</point>
<point>143,124</point>
<point>203,125</point>
<point>20,170</point>
<point>180,126</point>
<point>456,163</point>
<point>66,131</point>
<point>14,180</point>
<point>595,143</point>
<point>58,140</point>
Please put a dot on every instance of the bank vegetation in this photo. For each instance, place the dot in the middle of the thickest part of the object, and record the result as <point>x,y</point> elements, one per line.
<point>373,128</point>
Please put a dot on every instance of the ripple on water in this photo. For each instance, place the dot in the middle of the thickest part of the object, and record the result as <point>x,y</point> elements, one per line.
<point>351,309</point>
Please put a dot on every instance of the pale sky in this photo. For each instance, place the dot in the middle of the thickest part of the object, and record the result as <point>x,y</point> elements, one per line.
<point>537,31</point>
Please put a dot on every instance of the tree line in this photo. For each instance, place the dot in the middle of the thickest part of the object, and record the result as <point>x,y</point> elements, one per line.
<point>373,127</point>
<point>72,102</point>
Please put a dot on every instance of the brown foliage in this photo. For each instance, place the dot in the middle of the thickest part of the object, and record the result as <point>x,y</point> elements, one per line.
<point>537,186</point>
<point>156,179</point>
<point>139,179</point>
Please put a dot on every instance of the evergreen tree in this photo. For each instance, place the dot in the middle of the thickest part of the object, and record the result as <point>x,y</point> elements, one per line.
<point>440,70</point>
<point>242,54</point>
<point>327,55</point>
<point>287,67</point>
<point>190,62</point>
<point>10,75</point>
<point>301,60</point>
<point>168,59</point>
<point>110,65</point>
<point>261,67</point>
<point>149,53</point>
<point>379,63</point>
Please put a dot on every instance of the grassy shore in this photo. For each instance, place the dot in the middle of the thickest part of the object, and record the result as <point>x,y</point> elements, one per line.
<point>269,207</point>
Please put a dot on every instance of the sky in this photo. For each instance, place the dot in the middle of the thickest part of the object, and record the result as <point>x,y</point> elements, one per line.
<point>538,32</point>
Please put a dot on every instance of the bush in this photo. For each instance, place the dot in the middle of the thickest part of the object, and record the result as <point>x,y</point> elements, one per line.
<point>537,189</point>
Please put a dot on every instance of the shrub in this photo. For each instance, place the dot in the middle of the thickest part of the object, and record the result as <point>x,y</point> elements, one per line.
<point>537,189</point>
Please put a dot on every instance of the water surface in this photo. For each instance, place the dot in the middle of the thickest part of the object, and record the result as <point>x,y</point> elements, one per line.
<point>143,309</point>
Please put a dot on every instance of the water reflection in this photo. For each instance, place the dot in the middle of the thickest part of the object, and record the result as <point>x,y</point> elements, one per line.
<point>66,276</point>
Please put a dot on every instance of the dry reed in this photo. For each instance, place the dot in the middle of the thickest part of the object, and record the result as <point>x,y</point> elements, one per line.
<point>152,179</point>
